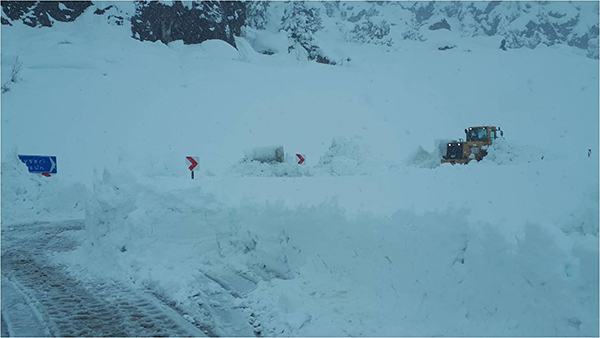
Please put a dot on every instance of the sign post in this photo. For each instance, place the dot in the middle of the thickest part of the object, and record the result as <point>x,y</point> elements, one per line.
<point>192,163</point>
<point>44,165</point>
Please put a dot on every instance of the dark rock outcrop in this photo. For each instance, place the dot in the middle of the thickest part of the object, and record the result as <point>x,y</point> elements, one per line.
<point>446,47</point>
<point>42,13</point>
<point>113,14</point>
<point>201,21</point>
<point>99,11</point>
<point>440,25</point>
<point>503,45</point>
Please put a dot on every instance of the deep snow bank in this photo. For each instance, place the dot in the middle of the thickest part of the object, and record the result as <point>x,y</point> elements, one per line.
<point>347,156</point>
<point>422,158</point>
<point>317,272</point>
<point>28,197</point>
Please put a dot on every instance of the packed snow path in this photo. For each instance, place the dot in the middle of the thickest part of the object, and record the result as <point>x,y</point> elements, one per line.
<point>40,299</point>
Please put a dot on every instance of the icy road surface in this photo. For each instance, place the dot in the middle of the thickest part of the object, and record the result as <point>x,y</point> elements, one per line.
<point>41,299</point>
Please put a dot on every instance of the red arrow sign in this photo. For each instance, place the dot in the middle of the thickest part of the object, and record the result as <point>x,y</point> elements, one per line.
<point>301,159</point>
<point>193,162</point>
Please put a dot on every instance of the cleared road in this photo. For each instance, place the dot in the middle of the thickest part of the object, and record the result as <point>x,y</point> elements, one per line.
<point>41,299</point>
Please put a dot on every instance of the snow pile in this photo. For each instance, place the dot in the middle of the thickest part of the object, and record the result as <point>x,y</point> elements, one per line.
<point>288,168</point>
<point>137,164</point>
<point>265,42</point>
<point>246,52</point>
<point>424,159</point>
<point>410,276</point>
<point>164,235</point>
<point>347,156</point>
<point>317,272</point>
<point>161,220</point>
<point>28,197</point>
<point>121,201</point>
<point>503,151</point>
<point>584,219</point>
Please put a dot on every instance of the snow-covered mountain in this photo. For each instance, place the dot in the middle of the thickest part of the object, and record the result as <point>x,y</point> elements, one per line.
<point>516,24</point>
<point>308,26</point>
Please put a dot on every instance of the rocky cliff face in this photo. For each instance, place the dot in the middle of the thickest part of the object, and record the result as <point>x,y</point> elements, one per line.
<point>42,13</point>
<point>190,21</point>
<point>519,24</point>
<point>193,22</point>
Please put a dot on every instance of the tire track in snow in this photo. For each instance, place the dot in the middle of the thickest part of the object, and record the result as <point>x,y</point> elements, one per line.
<point>71,307</point>
<point>4,331</point>
<point>22,317</point>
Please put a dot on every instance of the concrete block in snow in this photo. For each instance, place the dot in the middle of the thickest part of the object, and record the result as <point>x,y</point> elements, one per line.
<point>265,154</point>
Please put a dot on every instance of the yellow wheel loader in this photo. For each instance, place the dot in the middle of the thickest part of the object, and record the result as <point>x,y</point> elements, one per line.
<point>478,139</point>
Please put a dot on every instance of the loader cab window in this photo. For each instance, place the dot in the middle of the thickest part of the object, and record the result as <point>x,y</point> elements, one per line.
<point>477,134</point>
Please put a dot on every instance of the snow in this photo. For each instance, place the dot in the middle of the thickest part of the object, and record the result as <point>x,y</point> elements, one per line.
<point>520,24</point>
<point>5,17</point>
<point>264,41</point>
<point>588,18</point>
<point>30,197</point>
<point>347,157</point>
<point>246,52</point>
<point>373,236</point>
<point>23,319</point>
<point>314,265</point>
<point>562,14</point>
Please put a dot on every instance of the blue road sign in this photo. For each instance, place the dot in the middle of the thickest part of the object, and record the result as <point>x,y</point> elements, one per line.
<point>39,164</point>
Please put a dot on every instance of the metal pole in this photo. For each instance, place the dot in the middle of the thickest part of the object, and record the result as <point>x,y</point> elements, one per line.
<point>192,174</point>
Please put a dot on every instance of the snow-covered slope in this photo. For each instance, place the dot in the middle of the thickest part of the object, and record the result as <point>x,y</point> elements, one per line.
<point>310,28</point>
<point>440,24</point>
<point>372,236</point>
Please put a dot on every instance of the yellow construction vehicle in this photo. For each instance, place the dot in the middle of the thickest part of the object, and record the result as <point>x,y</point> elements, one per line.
<point>478,139</point>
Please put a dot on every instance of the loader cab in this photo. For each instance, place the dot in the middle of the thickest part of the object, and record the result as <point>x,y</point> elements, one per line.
<point>481,134</point>
<point>477,134</point>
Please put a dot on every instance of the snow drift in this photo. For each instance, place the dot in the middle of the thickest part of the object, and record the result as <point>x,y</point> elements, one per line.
<point>314,271</point>
<point>28,197</point>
